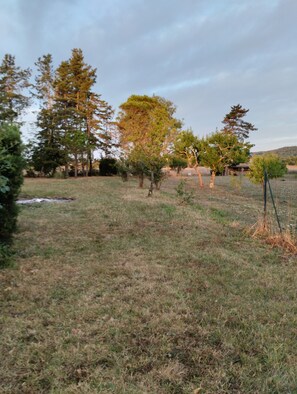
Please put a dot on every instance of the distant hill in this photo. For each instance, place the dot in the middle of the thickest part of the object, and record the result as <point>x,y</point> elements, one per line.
<point>285,152</point>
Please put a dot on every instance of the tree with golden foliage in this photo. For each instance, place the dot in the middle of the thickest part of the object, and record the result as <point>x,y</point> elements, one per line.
<point>147,129</point>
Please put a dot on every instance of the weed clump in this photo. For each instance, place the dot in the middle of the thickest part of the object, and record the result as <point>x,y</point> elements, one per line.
<point>184,196</point>
<point>264,230</point>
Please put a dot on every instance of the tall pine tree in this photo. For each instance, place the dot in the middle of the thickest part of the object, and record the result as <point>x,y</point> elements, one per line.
<point>13,83</point>
<point>73,120</point>
<point>81,115</point>
<point>48,152</point>
<point>100,126</point>
<point>234,123</point>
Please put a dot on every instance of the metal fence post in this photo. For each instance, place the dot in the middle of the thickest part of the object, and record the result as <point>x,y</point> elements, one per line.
<point>274,206</point>
<point>265,197</point>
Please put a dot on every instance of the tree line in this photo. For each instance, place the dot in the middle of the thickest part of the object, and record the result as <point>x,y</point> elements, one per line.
<point>151,137</point>
<point>73,121</point>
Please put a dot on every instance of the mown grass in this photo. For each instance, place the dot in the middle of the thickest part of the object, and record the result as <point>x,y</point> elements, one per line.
<point>119,293</point>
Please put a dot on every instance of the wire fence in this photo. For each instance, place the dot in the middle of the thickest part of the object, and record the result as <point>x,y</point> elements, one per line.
<point>244,201</point>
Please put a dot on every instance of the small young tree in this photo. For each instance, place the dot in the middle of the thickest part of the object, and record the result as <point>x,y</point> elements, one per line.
<point>154,171</point>
<point>11,165</point>
<point>263,168</point>
<point>273,165</point>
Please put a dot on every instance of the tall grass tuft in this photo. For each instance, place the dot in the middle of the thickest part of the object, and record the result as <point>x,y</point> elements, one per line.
<point>265,230</point>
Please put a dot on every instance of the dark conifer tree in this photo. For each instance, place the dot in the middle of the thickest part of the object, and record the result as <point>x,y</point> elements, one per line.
<point>73,120</point>
<point>13,83</point>
<point>81,114</point>
<point>100,125</point>
<point>234,123</point>
<point>47,152</point>
<point>72,84</point>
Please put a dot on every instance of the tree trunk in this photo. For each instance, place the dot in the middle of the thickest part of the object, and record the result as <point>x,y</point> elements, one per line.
<point>150,192</point>
<point>212,179</point>
<point>66,170</point>
<point>158,185</point>
<point>124,177</point>
<point>141,180</point>
<point>199,177</point>
<point>75,165</point>
<point>87,167</point>
<point>83,165</point>
<point>90,164</point>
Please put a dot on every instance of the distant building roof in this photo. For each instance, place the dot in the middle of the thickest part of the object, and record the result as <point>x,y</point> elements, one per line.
<point>241,165</point>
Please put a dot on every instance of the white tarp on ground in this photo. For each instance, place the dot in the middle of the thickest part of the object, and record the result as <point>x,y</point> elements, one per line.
<point>42,200</point>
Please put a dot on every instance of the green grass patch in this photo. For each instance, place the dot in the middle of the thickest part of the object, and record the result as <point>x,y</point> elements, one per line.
<point>219,215</point>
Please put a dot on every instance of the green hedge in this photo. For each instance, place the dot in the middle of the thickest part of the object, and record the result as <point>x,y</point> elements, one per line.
<point>11,179</point>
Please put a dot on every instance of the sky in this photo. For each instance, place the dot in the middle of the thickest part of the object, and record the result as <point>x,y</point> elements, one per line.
<point>203,55</point>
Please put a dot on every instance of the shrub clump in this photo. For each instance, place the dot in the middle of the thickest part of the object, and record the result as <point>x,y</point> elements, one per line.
<point>271,163</point>
<point>108,166</point>
<point>11,179</point>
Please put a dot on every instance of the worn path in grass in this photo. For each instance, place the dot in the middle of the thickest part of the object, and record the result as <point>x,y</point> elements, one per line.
<point>118,293</point>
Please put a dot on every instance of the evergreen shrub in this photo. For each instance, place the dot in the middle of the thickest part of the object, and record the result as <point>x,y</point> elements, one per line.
<point>108,166</point>
<point>11,179</point>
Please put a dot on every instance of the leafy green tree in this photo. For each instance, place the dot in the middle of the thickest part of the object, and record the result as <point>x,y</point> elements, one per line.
<point>188,146</point>
<point>13,82</point>
<point>234,123</point>
<point>184,144</point>
<point>154,171</point>
<point>147,129</point>
<point>221,150</point>
<point>11,165</point>
<point>177,163</point>
<point>274,166</point>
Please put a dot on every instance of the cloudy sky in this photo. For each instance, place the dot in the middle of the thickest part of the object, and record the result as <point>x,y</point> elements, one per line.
<point>204,55</point>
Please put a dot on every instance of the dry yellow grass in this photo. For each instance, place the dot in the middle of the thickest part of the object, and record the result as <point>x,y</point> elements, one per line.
<point>118,293</point>
<point>285,240</point>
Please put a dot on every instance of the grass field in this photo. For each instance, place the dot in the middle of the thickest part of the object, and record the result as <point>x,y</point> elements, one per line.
<point>119,293</point>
